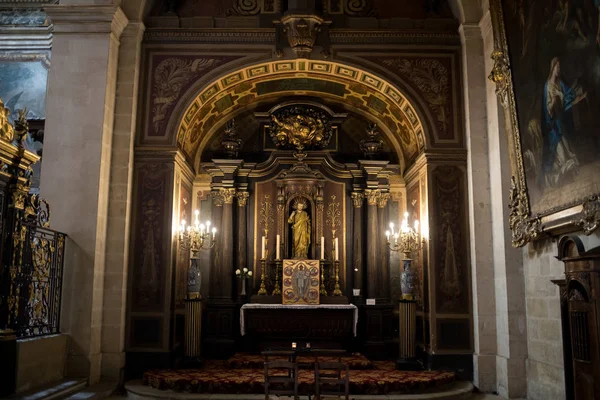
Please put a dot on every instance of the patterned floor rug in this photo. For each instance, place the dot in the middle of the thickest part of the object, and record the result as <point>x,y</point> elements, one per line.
<point>218,377</point>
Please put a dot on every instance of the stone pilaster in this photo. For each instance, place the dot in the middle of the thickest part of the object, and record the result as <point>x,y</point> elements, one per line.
<point>484,309</point>
<point>215,271</point>
<point>383,251</point>
<point>80,117</point>
<point>358,199</point>
<point>119,202</point>
<point>373,284</point>
<point>228,194</point>
<point>242,228</point>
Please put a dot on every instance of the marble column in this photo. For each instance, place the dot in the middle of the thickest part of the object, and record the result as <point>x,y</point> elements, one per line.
<point>383,251</point>
<point>357,250</point>
<point>373,284</point>
<point>215,270</point>
<point>80,104</point>
<point>120,202</point>
<point>242,252</point>
<point>227,243</point>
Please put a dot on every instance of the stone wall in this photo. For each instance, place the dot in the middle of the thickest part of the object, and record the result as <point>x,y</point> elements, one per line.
<point>545,369</point>
<point>40,361</point>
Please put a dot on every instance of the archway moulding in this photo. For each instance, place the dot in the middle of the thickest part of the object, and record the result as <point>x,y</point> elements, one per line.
<point>357,88</point>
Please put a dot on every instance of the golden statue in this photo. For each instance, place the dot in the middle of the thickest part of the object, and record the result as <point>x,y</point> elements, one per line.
<point>300,230</point>
<point>7,132</point>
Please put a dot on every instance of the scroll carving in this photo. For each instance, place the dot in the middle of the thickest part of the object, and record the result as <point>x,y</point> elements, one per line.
<point>500,75</point>
<point>357,199</point>
<point>242,198</point>
<point>590,215</point>
<point>523,228</point>
<point>372,196</point>
<point>227,194</point>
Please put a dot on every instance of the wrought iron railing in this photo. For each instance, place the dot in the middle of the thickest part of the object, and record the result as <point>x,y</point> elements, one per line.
<point>39,283</point>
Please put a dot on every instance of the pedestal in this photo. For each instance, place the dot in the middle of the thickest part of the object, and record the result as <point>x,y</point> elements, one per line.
<point>193,332</point>
<point>8,366</point>
<point>407,359</point>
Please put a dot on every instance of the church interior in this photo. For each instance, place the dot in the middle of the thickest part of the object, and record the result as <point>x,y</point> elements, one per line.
<point>198,194</point>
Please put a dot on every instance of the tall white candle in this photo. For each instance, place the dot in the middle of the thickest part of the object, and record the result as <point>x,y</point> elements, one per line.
<point>262,254</point>
<point>322,247</point>
<point>278,246</point>
<point>337,250</point>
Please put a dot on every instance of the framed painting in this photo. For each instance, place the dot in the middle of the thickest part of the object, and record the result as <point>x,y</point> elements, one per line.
<point>300,282</point>
<point>547,75</point>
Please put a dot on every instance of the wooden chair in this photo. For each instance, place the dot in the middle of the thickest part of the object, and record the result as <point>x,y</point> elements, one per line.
<point>335,375</point>
<point>285,384</point>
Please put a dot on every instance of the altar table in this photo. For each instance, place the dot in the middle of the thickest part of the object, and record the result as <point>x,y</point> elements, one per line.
<point>325,321</point>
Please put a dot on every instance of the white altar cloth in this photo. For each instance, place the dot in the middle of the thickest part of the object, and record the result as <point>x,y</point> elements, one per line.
<point>296,307</point>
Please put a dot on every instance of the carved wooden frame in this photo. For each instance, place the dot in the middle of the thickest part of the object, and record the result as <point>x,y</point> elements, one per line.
<point>526,226</point>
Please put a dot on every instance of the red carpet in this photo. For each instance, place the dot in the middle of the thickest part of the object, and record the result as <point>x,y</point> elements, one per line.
<point>219,377</point>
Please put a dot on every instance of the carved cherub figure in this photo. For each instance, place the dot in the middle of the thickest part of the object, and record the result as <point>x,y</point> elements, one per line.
<point>7,132</point>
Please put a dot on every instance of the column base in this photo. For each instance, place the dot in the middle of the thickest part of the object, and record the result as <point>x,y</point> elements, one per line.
<point>409,364</point>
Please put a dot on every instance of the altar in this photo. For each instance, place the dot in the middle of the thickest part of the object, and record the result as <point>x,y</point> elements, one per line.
<point>326,325</point>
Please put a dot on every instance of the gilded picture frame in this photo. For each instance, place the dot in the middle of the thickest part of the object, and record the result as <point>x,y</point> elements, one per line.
<point>549,57</point>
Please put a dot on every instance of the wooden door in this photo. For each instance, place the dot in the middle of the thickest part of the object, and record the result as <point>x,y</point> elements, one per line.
<point>585,347</point>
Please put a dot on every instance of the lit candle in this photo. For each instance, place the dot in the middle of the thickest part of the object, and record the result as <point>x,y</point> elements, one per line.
<point>293,345</point>
<point>387,235</point>
<point>202,229</point>
<point>322,247</point>
<point>214,231</point>
<point>392,227</point>
<point>417,225</point>
<point>262,254</point>
<point>337,250</point>
<point>278,246</point>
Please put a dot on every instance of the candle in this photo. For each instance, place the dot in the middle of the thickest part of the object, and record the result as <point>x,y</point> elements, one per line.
<point>214,231</point>
<point>262,254</point>
<point>278,246</point>
<point>322,247</point>
<point>293,345</point>
<point>337,250</point>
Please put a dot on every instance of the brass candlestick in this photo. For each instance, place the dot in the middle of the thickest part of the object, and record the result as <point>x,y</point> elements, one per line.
<point>277,290</point>
<point>323,291</point>
<point>337,291</point>
<point>263,265</point>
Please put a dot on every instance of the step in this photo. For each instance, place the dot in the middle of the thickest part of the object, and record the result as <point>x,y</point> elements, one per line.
<point>54,391</point>
<point>98,391</point>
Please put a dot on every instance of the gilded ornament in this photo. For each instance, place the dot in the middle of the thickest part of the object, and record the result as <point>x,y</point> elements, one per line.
<point>7,132</point>
<point>266,214</point>
<point>500,75</point>
<point>300,223</point>
<point>372,195</point>
<point>334,215</point>
<point>590,214</point>
<point>383,200</point>
<point>231,144</point>
<point>357,199</point>
<point>242,198</point>
<point>302,32</point>
<point>524,229</point>
<point>227,194</point>
<point>371,146</point>
<point>217,198</point>
<point>300,128</point>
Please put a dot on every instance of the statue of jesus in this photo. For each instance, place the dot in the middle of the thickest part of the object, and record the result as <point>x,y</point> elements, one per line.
<point>300,230</point>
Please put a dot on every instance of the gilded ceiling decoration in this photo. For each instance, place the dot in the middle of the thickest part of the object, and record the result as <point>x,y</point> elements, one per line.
<point>300,128</point>
<point>359,89</point>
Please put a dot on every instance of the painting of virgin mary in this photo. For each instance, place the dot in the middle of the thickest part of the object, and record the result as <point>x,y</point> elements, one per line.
<point>554,52</point>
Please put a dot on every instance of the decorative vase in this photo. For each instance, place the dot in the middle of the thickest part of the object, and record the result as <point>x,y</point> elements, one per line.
<point>194,280</point>
<point>243,286</point>
<point>407,281</point>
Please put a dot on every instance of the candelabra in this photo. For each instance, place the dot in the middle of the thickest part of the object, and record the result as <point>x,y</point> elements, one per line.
<point>277,290</point>
<point>195,238</point>
<point>406,240</point>
<point>263,266</point>
<point>337,291</point>
<point>322,290</point>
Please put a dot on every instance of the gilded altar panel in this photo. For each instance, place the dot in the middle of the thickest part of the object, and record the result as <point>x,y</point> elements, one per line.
<point>301,281</point>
